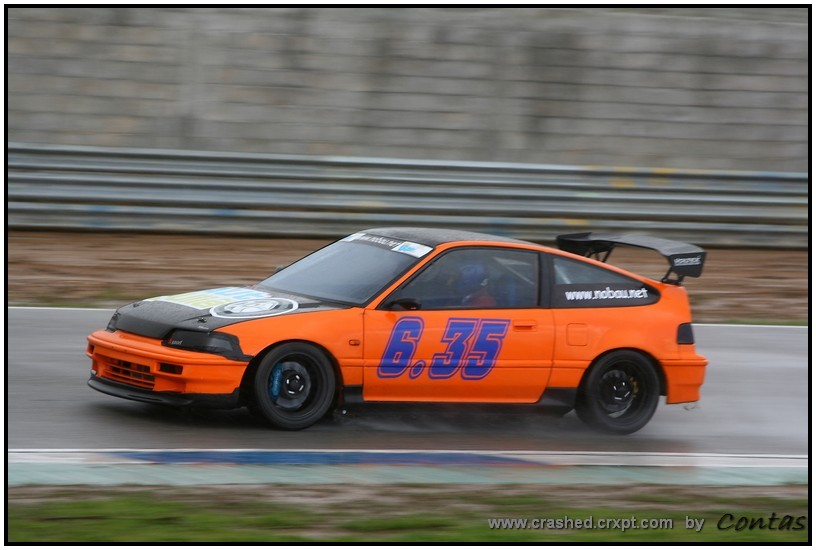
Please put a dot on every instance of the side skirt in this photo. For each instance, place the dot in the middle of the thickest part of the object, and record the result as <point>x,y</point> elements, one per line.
<point>559,400</point>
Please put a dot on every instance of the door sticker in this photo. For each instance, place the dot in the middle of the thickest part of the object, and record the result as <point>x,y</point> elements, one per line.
<point>469,349</point>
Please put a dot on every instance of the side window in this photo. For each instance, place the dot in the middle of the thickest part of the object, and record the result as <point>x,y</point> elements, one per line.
<point>579,284</point>
<point>572,272</point>
<point>475,278</point>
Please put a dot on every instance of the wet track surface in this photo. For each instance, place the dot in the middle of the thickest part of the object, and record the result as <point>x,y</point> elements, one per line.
<point>754,401</point>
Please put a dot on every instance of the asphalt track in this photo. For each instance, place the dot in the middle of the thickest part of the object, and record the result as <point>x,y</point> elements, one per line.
<point>755,401</point>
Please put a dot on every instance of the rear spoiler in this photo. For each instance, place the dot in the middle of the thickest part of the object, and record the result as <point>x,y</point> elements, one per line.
<point>685,260</point>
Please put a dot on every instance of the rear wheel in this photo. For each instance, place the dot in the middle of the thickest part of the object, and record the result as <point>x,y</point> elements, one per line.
<point>294,386</point>
<point>620,393</point>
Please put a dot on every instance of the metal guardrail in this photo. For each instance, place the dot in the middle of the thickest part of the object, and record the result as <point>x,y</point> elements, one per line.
<point>144,190</point>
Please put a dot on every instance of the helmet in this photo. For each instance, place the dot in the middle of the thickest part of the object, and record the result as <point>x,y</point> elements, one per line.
<point>471,278</point>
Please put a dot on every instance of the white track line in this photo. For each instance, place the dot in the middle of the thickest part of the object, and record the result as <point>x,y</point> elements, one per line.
<point>544,458</point>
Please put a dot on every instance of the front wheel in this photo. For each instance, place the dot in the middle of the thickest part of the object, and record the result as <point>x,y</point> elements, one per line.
<point>294,386</point>
<point>620,393</point>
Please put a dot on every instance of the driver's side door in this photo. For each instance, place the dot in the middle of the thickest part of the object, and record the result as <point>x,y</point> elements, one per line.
<point>475,332</point>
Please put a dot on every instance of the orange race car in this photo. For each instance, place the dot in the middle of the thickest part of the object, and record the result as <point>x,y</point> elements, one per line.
<point>411,314</point>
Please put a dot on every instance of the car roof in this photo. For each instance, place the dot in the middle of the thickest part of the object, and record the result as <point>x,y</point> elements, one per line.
<point>432,236</point>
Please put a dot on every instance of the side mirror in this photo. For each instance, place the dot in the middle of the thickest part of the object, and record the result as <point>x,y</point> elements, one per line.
<point>404,304</point>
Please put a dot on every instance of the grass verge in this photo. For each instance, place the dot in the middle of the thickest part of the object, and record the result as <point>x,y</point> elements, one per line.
<point>405,513</point>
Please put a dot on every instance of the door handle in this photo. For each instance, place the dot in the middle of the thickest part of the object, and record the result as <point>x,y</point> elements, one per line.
<point>524,324</point>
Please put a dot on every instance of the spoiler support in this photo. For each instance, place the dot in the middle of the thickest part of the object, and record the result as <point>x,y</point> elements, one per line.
<point>685,260</point>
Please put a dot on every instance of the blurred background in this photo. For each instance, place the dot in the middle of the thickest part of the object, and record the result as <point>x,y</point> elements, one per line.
<point>134,131</point>
<point>710,88</point>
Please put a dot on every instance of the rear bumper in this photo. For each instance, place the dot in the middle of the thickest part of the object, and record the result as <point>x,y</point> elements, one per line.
<point>211,401</point>
<point>684,377</point>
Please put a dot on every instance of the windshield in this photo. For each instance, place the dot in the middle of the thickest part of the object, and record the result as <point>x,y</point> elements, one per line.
<point>352,270</point>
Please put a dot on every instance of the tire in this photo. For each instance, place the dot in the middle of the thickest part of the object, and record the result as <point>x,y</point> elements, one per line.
<point>619,394</point>
<point>294,386</point>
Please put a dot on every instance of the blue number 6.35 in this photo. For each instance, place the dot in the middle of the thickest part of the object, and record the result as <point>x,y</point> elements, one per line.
<point>473,346</point>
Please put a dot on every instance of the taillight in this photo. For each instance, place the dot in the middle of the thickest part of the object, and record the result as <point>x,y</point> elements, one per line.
<point>684,334</point>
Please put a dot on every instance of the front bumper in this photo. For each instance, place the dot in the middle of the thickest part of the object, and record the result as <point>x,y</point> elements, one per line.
<point>210,401</point>
<point>144,367</point>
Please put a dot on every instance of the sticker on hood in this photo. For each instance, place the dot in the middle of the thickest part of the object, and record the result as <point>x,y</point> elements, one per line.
<point>249,309</point>
<point>203,299</point>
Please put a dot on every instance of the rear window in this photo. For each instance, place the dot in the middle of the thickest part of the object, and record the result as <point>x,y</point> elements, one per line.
<point>572,272</point>
<point>580,284</point>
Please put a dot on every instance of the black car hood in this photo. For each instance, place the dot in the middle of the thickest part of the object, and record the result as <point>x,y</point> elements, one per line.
<point>207,310</point>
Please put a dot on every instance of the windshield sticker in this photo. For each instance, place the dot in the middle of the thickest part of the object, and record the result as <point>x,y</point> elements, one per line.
<point>413,249</point>
<point>203,299</point>
<point>405,247</point>
<point>353,237</point>
<point>250,309</point>
<point>381,241</point>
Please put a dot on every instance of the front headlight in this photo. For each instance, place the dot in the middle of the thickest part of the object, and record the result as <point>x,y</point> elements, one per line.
<point>217,343</point>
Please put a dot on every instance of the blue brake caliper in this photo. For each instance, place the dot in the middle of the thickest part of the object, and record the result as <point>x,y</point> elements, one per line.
<point>275,382</point>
